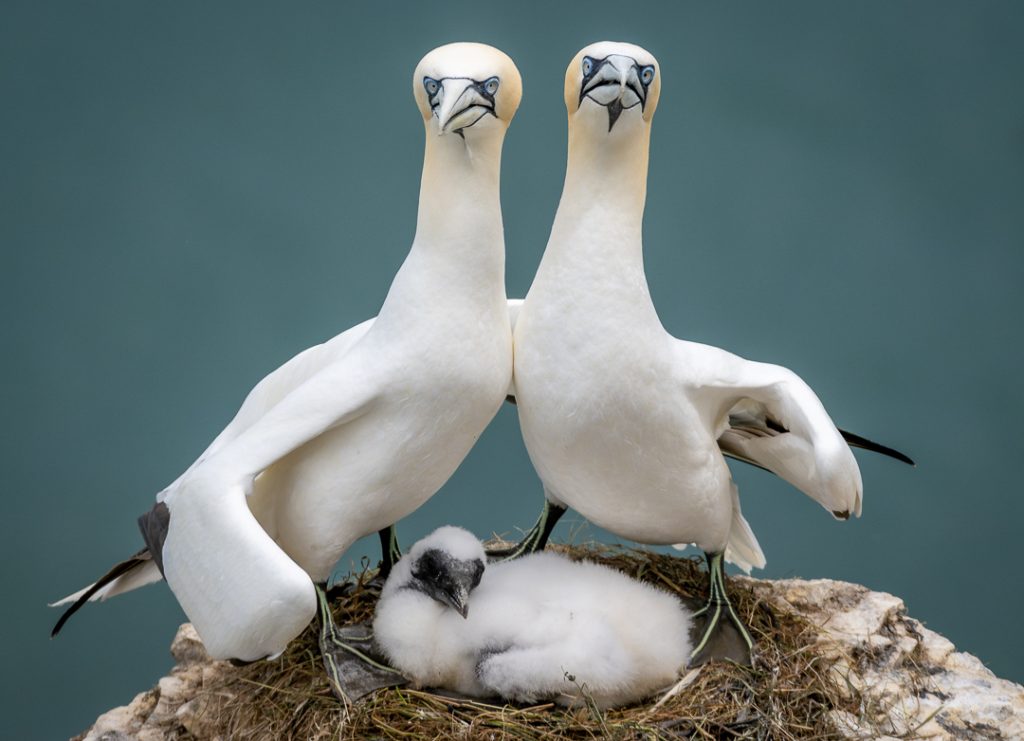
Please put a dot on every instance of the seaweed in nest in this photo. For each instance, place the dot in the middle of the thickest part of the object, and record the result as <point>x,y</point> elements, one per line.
<point>788,694</point>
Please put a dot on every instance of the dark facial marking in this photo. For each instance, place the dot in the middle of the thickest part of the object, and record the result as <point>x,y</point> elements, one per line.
<point>614,111</point>
<point>445,578</point>
<point>486,89</point>
<point>638,83</point>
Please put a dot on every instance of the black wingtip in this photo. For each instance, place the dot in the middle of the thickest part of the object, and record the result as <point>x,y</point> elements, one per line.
<point>118,570</point>
<point>856,441</point>
<point>75,607</point>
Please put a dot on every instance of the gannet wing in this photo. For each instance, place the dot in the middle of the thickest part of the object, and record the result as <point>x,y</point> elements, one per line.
<point>766,415</point>
<point>279,383</point>
<point>140,569</point>
<point>245,596</point>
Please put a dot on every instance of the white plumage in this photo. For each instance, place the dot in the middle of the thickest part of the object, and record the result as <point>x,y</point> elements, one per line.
<point>352,435</point>
<point>623,422</point>
<point>538,628</point>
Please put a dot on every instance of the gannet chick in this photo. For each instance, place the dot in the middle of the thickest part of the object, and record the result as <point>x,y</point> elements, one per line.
<point>352,435</point>
<point>623,422</point>
<point>538,628</point>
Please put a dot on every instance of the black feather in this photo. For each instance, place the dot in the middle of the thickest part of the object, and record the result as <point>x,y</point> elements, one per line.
<point>856,441</point>
<point>119,570</point>
<point>154,526</point>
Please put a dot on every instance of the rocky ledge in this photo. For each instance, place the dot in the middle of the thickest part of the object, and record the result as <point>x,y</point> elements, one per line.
<point>909,681</point>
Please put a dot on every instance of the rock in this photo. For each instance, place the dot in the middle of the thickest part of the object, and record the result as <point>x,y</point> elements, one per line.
<point>911,682</point>
<point>167,711</point>
<point>913,679</point>
<point>187,647</point>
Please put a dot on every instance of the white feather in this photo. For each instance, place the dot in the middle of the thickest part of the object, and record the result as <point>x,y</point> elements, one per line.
<point>145,574</point>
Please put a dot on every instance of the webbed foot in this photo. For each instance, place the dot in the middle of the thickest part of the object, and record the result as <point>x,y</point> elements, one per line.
<point>720,632</point>
<point>354,666</point>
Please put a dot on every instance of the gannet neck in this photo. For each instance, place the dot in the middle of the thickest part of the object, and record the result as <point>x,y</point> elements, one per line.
<point>594,257</point>
<point>460,207</point>
<point>601,211</point>
<point>458,253</point>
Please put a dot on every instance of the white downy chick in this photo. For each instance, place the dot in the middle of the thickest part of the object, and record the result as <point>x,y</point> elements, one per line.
<point>538,628</point>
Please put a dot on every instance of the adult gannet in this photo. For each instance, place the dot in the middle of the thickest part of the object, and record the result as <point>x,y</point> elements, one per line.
<point>623,422</point>
<point>536,628</point>
<point>354,434</point>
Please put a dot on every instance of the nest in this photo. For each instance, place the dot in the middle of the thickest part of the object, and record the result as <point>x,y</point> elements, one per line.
<point>790,693</point>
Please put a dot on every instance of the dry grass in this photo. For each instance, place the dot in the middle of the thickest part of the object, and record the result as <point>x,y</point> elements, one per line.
<point>787,695</point>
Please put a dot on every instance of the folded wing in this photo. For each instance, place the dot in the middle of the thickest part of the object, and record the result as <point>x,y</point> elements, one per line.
<point>244,595</point>
<point>767,416</point>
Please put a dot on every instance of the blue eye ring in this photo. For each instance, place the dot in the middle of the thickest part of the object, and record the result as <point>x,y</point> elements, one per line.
<point>491,85</point>
<point>431,86</point>
<point>647,74</point>
<point>588,66</point>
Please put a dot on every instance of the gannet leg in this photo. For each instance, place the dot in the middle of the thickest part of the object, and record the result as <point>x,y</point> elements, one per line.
<point>536,539</point>
<point>720,640</point>
<point>389,552</point>
<point>347,656</point>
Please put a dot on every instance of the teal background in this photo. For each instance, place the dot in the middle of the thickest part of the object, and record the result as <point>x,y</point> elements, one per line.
<point>192,192</point>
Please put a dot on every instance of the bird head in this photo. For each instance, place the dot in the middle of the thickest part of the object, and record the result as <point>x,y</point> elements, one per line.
<point>467,89</point>
<point>612,87</point>
<point>446,566</point>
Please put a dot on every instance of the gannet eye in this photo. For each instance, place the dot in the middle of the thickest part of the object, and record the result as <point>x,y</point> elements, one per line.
<point>431,86</point>
<point>647,74</point>
<point>588,65</point>
<point>491,85</point>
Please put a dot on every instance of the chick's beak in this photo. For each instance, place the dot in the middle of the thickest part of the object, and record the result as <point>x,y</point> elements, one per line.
<point>458,599</point>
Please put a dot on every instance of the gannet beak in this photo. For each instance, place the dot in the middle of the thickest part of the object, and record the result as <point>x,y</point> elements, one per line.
<point>461,106</point>
<point>616,86</point>
<point>458,600</point>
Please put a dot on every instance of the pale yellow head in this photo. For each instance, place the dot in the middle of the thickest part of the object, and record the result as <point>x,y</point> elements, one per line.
<point>612,87</point>
<point>467,89</point>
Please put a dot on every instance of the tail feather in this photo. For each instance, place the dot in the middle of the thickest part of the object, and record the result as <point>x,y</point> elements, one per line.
<point>129,574</point>
<point>743,548</point>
